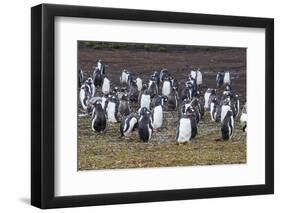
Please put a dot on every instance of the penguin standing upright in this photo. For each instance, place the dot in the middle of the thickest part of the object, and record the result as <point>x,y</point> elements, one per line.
<point>157,113</point>
<point>227,125</point>
<point>80,77</point>
<point>152,87</point>
<point>98,117</point>
<point>145,100</point>
<point>144,125</point>
<point>98,77</point>
<point>133,91</point>
<point>90,83</point>
<point>106,86</point>
<point>167,87</point>
<point>226,78</point>
<point>139,83</point>
<point>184,129</point>
<point>243,118</point>
<point>84,96</point>
<point>124,107</point>
<point>172,100</point>
<point>128,124</point>
<point>112,109</point>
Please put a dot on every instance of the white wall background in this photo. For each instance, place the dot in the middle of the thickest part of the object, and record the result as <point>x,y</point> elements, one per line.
<point>15,105</point>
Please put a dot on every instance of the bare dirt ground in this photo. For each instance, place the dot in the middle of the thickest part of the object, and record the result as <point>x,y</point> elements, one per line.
<point>109,150</point>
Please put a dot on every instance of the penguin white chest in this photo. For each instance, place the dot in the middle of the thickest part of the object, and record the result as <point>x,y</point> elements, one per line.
<point>157,117</point>
<point>206,97</point>
<point>226,79</point>
<point>184,131</point>
<point>145,101</point>
<point>139,84</point>
<point>83,101</point>
<point>166,90</point>
<point>103,100</point>
<point>111,112</point>
<point>224,110</point>
<point>106,86</point>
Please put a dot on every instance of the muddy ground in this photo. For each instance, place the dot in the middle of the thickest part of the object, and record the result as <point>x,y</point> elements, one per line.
<point>109,150</point>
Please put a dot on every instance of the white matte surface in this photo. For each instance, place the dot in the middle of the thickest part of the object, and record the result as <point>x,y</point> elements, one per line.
<point>70,182</point>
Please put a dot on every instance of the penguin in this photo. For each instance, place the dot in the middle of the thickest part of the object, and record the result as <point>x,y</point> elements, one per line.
<point>186,129</point>
<point>101,66</point>
<point>225,107</point>
<point>80,77</point>
<point>157,78</point>
<point>243,118</point>
<point>174,83</point>
<point>145,100</point>
<point>167,87</point>
<point>227,125</point>
<point>152,87</point>
<point>98,77</point>
<point>213,109</point>
<point>84,95</point>
<point>219,79</point>
<point>163,74</point>
<point>226,78</point>
<point>112,109</point>
<point>106,86</point>
<point>157,112</point>
<point>128,124</point>
<point>144,87</point>
<point>172,102</point>
<point>139,83</point>
<point>133,91</point>
<point>89,82</point>
<point>145,128</point>
<point>125,77</point>
<point>104,100</point>
<point>98,117</point>
<point>208,97</point>
<point>197,76</point>
<point>124,107</point>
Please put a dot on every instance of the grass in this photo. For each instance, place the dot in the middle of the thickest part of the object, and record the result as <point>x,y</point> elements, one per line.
<point>110,151</point>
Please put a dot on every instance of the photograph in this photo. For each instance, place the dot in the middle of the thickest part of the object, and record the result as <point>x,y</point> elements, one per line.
<point>143,105</point>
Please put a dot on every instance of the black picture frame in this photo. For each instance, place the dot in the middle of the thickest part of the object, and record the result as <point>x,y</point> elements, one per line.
<point>43,102</point>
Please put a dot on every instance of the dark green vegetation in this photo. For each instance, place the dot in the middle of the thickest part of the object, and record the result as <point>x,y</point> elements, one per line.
<point>110,151</point>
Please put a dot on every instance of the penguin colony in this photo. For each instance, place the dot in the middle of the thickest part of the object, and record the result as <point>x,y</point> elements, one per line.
<point>161,93</point>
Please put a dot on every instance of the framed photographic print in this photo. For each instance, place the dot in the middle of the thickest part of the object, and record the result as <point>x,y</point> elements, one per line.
<point>139,106</point>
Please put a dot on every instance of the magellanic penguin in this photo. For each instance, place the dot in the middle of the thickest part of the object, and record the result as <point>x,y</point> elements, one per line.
<point>124,106</point>
<point>98,117</point>
<point>133,91</point>
<point>89,82</point>
<point>128,124</point>
<point>157,112</point>
<point>152,87</point>
<point>112,109</point>
<point>243,118</point>
<point>145,128</point>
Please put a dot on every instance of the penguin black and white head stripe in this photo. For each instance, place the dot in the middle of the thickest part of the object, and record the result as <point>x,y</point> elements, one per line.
<point>227,125</point>
<point>98,117</point>
<point>145,128</point>
<point>128,124</point>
